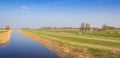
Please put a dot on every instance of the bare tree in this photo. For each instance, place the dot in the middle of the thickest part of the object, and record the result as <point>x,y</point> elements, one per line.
<point>104,27</point>
<point>7,27</point>
<point>88,26</point>
<point>82,27</point>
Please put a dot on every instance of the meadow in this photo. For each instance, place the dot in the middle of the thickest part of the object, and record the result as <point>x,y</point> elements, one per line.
<point>101,44</point>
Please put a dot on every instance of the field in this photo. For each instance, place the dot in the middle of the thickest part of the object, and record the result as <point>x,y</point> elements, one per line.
<point>4,36</point>
<point>99,44</point>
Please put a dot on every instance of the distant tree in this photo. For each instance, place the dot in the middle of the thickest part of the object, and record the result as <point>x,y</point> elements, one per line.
<point>95,29</point>
<point>88,26</point>
<point>111,27</point>
<point>105,27</point>
<point>7,27</point>
<point>54,28</point>
<point>82,27</point>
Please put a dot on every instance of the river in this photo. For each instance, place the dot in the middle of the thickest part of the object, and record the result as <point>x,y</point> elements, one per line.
<point>20,46</point>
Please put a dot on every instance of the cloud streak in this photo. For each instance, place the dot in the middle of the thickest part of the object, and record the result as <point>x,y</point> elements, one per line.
<point>25,8</point>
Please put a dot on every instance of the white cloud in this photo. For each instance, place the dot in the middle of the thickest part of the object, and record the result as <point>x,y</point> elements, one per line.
<point>25,8</point>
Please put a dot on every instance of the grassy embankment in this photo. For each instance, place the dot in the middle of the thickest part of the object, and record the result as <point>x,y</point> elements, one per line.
<point>99,48</point>
<point>5,36</point>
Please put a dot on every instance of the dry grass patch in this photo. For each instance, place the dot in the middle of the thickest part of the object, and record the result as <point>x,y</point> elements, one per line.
<point>4,36</point>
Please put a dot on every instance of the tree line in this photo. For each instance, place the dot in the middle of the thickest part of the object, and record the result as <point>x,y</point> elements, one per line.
<point>87,27</point>
<point>6,28</point>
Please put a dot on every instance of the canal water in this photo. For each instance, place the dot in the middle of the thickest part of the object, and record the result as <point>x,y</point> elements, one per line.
<point>21,46</point>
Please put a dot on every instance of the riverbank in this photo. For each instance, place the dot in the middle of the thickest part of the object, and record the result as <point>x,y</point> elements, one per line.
<point>5,36</point>
<point>61,49</point>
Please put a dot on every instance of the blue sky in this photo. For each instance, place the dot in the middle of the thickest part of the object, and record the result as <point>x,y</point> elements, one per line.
<point>59,13</point>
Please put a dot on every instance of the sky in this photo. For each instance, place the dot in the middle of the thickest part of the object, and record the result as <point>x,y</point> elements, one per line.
<point>59,13</point>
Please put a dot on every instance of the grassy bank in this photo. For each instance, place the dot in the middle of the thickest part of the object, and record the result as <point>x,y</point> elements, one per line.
<point>77,43</point>
<point>90,34</point>
<point>5,36</point>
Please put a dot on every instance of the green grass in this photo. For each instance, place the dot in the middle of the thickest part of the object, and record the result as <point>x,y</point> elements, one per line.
<point>102,37</point>
<point>101,53</point>
<point>91,34</point>
<point>81,40</point>
<point>87,36</point>
<point>94,33</point>
<point>101,33</point>
<point>97,53</point>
